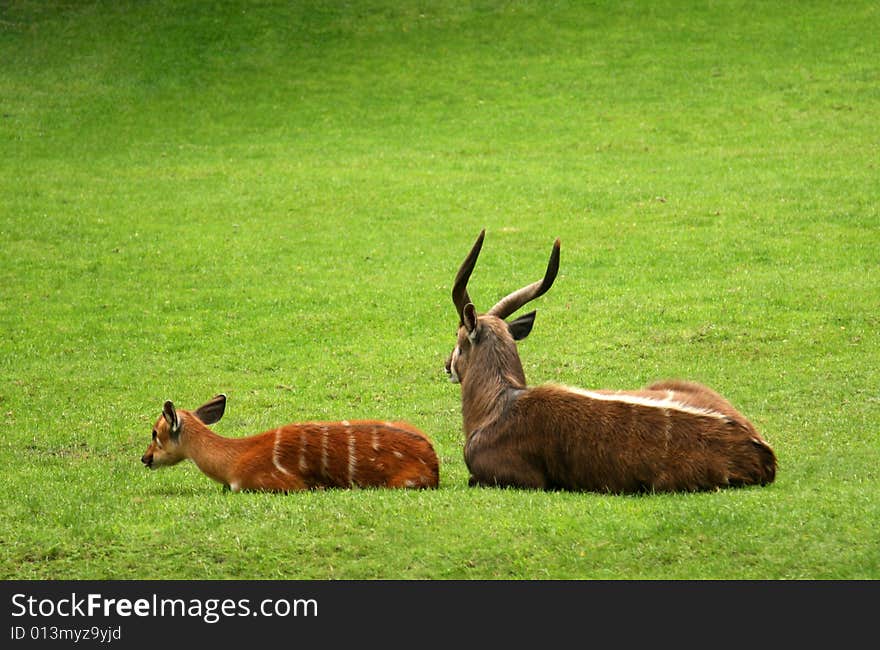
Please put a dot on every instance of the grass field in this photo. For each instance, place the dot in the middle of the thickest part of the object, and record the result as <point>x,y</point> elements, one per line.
<point>271,199</point>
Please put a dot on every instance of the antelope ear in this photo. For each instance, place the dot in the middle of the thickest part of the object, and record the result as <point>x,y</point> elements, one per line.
<point>170,415</point>
<point>212,410</point>
<point>520,327</point>
<point>469,320</point>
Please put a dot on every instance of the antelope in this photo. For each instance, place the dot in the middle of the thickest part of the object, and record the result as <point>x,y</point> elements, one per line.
<point>669,436</point>
<point>360,453</point>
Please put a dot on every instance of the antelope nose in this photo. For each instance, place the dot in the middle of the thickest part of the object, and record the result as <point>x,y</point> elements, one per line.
<point>146,460</point>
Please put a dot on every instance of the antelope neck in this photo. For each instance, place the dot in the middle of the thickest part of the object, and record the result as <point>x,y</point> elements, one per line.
<point>214,455</point>
<point>483,406</point>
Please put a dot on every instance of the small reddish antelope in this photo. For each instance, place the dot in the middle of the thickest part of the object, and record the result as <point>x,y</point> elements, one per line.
<point>669,436</point>
<point>362,453</point>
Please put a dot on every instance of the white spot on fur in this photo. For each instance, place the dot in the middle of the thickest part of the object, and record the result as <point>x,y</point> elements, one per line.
<point>666,403</point>
<point>453,375</point>
<point>346,423</point>
<point>398,454</point>
<point>374,440</point>
<point>409,483</point>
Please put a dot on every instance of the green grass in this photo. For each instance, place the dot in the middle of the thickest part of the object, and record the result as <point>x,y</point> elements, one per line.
<point>271,200</point>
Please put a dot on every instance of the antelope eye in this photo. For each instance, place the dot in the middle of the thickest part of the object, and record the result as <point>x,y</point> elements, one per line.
<point>154,434</point>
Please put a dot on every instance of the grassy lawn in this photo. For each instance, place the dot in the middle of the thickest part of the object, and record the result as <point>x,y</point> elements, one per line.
<point>271,200</point>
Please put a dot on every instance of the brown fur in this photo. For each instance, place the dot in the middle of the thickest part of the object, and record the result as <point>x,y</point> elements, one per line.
<point>552,437</point>
<point>310,454</point>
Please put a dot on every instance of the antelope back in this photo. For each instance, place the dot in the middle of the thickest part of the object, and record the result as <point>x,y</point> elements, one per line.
<point>360,453</point>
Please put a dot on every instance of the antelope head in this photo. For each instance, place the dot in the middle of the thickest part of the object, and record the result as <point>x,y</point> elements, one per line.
<point>167,447</point>
<point>487,340</point>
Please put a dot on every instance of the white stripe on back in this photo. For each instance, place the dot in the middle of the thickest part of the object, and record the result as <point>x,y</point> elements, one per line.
<point>352,458</point>
<point>275,453</point>
<point>637,400</point>
<point>303,465</point>
<point>324,455</point>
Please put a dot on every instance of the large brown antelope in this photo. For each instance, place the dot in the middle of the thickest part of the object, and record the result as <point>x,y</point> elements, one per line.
<point>669,436</point>
<point>362,453</point>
